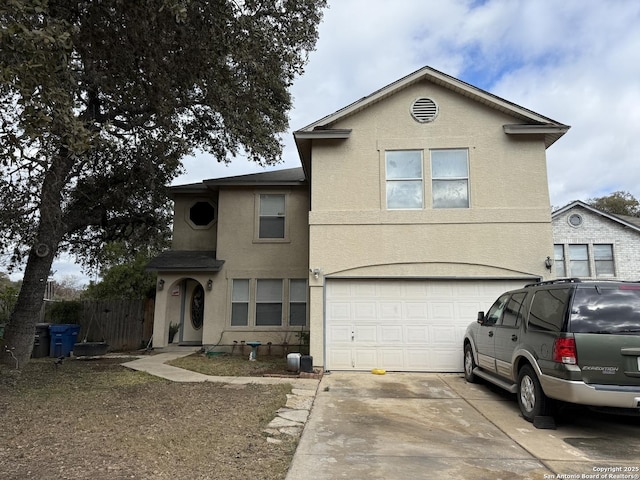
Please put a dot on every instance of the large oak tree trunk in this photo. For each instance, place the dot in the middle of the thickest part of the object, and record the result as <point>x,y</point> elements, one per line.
<point>20,332</point>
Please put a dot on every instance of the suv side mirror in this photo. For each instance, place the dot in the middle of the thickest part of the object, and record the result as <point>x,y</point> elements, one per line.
<point>481,318</point>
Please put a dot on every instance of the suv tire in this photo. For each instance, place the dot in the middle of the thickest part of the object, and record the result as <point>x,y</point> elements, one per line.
<point>469,364</point>
<point>531,399</point>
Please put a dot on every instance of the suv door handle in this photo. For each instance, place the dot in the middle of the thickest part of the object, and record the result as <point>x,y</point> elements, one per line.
<point>514,337</point>
<point>491,333</point>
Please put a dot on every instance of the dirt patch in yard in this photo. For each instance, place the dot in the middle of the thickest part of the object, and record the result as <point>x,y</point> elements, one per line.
<point>96,419</point>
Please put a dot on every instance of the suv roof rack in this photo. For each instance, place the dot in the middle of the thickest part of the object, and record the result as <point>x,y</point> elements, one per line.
<point>553,282</point>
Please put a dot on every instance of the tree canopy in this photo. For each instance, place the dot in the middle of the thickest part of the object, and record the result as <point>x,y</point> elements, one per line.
<point>99,101</point>
<point>617,203</point>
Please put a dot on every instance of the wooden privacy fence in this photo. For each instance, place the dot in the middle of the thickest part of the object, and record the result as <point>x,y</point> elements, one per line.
<point>123,324</point>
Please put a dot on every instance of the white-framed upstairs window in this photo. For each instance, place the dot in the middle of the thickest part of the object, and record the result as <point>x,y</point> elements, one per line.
<point>404,179</point>
<point>450,178</point>
<point>272,224</point>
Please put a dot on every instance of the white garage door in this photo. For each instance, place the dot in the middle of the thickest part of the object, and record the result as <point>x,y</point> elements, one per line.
<point>403,325</point>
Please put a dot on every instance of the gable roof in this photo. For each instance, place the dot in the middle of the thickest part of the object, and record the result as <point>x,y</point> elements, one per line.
<point>627,221</point>
<point>534,122</point>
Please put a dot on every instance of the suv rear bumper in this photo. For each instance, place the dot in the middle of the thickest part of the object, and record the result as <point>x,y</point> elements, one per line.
<point>595,395</point>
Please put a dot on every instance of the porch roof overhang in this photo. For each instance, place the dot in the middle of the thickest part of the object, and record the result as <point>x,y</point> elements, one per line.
<point>186,261</point>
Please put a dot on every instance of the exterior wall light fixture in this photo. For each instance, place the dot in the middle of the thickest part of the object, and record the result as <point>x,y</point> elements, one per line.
<point>209,284</point>
<point>316,273</point>
<point>548,263</point>
<point>161,284</point>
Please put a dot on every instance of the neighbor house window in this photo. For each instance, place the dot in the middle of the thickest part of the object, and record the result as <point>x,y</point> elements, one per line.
<point>578,261</point>
<point>240,303</point>
<point>558,260</point>
<point>404,179</point>
<point>450,178</point>
<point>298,303</point>
<point>269,302</point>
<point>603,258</point>
<point>272,216</point>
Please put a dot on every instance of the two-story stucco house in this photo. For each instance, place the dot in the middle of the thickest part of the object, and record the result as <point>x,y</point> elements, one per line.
<point>413,209</point>
<point>592,244</point>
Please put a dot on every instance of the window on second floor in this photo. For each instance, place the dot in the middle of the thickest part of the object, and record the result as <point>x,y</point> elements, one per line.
<point>450,178</point>
<point>404,179</point>
<point>271,216</point>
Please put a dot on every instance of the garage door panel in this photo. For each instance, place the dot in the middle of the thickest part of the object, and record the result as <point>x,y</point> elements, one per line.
<point>392,359</point>
<point>340,358</point>
<point>445,335</point>
<point>417,359</point>
<point>365,333</point>
<point>441,311</point>
<point>338,311</point>
<point>339,334</point>
<point>365,358</point>
<point>418,334</point>
<point>390,310</point>
<point>391,334</point>
<point>365,311</point>
<point>403,325</point>
<point>415,310</point>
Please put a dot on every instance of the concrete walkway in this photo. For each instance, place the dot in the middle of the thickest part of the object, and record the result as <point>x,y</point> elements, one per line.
<point>290,419</point>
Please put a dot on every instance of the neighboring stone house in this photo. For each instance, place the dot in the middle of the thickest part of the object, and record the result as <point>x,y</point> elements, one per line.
<point>590,243</point>
<point>415,207</point>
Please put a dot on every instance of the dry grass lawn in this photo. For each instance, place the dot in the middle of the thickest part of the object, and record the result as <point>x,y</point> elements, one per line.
<point>96,419</point>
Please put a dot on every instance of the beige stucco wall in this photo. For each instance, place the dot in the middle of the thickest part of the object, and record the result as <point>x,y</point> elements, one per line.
<point>245,256</point>
<point>172,299</point>
<point>187,236</point>
<point>506,232</point>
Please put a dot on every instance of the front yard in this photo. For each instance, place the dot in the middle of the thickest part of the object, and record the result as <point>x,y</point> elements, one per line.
<point>96,419</point>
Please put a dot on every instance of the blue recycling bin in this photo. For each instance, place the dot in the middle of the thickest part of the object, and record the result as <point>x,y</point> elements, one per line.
<point>63,338</point>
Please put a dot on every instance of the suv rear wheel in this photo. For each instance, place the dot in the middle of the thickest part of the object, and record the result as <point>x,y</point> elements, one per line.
<point>531,399</point>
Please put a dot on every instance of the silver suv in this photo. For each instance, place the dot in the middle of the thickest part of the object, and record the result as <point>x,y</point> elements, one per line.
<point>567,340</point>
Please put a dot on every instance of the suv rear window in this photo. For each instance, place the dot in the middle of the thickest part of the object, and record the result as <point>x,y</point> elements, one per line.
<point>548,309</point>
<point>603,309</point>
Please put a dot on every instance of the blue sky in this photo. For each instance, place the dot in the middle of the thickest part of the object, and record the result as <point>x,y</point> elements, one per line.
<point>575,61</point>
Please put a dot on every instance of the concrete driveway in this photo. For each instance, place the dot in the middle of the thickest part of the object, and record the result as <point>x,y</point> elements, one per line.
<point>403,425</point>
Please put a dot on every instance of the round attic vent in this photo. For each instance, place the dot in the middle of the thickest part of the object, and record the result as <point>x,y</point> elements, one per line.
<point>575,220</point>
<point>424,110</point>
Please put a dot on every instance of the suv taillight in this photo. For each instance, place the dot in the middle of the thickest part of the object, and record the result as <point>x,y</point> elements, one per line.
<point>564,351</point>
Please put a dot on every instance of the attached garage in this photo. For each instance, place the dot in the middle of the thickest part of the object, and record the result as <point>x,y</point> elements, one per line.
<point>403,325</point>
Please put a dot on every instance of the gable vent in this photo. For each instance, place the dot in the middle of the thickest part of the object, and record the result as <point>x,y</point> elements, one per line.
<point>424,110</point>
